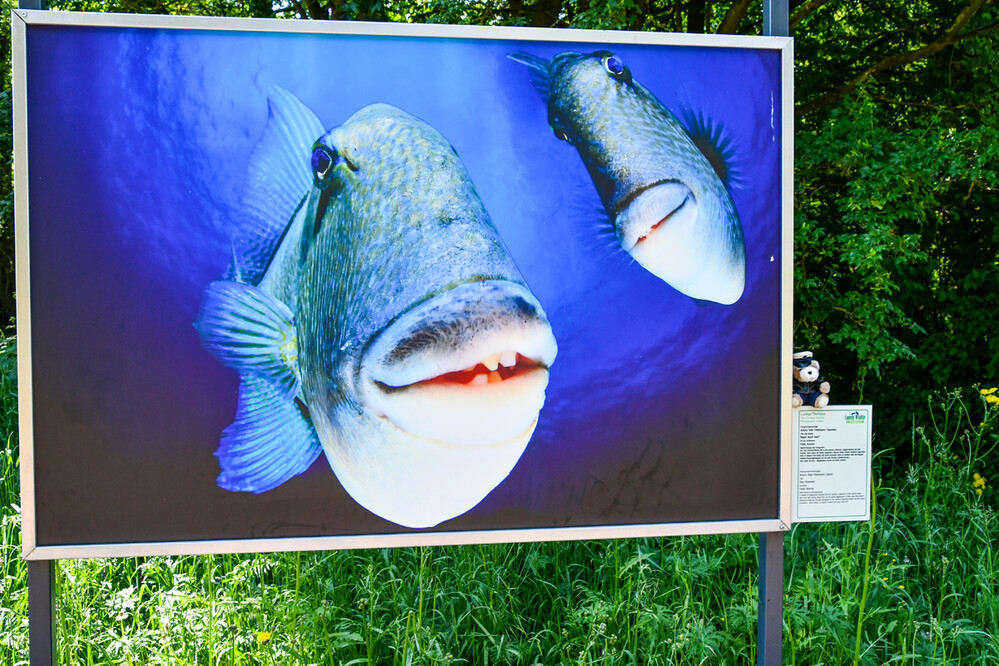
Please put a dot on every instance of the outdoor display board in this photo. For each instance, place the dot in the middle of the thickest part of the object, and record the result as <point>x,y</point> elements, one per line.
<point>288,285</point>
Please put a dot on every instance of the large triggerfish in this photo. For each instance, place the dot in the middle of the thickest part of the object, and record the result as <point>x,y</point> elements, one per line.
<point>669,207</point>
<point>373,313</point>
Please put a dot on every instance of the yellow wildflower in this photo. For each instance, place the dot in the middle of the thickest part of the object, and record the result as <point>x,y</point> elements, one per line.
<point>979,481</point>
<point>989,391</point>
<point>992,399</point>
<point>263,636</point>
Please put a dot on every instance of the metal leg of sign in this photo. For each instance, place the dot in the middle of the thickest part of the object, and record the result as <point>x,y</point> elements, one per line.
<point>41,618</point>
<point>769,630</point>
<point>775,18</point>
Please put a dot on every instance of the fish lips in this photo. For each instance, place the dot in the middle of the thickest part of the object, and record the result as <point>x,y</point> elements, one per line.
<point>467,367</point>
<point>692,243</point>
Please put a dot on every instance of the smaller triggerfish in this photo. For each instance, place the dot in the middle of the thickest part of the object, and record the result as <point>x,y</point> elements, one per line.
<point>373,313</point>
<point>669,207</point>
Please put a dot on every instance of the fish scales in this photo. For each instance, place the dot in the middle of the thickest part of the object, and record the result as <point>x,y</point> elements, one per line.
<point>670,209</point>
<point>384,217</point>
<point>399,296</point>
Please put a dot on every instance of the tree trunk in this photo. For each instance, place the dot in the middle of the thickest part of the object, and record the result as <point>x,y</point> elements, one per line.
<point>733,17</point>
<point>546,13</point>
<point>695,16</point>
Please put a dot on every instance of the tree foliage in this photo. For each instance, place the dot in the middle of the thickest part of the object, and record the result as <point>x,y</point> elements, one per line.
<point>6,172</point>
<point>896,242</point>
<point>895,177</point>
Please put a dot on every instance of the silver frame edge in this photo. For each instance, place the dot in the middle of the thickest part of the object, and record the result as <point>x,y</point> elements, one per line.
<point>787,278</point>
<point>389,29</point>
<point>293,544</point>
<point>32,551</point>
<point>25,414</point>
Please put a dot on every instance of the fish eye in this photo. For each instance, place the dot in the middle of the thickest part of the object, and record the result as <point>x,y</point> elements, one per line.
<point>323,161</point>
<point>615,67</point>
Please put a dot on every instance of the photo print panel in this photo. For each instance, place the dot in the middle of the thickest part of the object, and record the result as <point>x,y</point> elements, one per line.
<point>297,286</point>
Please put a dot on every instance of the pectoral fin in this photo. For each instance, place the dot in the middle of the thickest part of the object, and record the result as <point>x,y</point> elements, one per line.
<point>251,331</point>
<point>269,442</point>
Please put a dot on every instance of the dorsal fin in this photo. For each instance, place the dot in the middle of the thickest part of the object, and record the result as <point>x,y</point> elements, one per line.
<point>278,176</point>
<point>537,70</point>
<point>714,144</point>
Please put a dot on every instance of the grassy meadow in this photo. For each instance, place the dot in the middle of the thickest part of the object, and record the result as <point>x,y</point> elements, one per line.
<point>917,585</point>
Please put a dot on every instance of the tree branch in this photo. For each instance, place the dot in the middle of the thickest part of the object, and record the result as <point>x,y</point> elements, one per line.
<point>315,11</point>
<point>733,17</point>
<point>979,32</point>
<point>639,19</point>
<point>804,11</point>
<point>952,35</point>
<point>546,13</point>
<point>925,105</point>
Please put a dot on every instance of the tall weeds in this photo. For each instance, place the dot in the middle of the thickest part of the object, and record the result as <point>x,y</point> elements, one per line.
<point>932,598</point>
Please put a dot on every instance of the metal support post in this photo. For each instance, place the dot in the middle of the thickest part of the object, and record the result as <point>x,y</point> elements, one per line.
<point>41,615</point>
<point>41,573</point>
<point>775,18</point>
<point>769,630</point>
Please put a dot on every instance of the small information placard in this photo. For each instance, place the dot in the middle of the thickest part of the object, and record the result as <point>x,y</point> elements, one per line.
<point>832,463</point>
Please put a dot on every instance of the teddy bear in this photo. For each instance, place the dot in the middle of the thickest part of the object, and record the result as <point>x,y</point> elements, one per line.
<point>808,389</point>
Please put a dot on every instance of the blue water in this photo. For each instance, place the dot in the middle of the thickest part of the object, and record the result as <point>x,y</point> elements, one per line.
<point>660,409</point>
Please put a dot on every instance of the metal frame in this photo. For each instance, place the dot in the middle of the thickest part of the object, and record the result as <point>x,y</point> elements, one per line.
<point>771,543</point>
<point>41,615</point>
<point>94,19</point>
<point>770,612</point>
<point>23,18</point>
<point>293,544</point>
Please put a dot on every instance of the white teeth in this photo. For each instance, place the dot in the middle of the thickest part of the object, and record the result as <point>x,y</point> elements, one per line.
<point>492,319</point>
<point>463,414</point>
<point>507,359</point>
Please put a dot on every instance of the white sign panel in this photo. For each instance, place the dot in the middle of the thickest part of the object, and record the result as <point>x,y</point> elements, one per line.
<point>832,463</point>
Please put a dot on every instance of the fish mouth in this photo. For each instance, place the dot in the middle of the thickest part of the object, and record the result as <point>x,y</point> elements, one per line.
<point>692,243</point>
<point>468,367</point>
<point>650,209</point>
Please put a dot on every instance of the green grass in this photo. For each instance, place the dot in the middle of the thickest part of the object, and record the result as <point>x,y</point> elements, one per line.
<point>932,584</point>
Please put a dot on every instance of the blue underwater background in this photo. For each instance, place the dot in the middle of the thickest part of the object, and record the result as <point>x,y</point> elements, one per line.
<point>659,409</point>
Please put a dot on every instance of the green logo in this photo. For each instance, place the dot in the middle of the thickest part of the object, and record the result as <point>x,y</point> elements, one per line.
<point>856,417</point>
